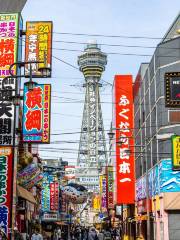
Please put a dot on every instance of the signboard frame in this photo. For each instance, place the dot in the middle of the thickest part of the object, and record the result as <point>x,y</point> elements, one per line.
<point>170,99</point>
<point>32,30</point>
<point>175,140</point>
<point>37,136</point>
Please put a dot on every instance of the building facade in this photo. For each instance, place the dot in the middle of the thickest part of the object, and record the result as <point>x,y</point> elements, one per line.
<point>12,6</point>
<point>157,184</point>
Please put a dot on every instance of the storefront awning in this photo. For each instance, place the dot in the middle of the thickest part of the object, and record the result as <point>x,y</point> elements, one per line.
<point>23,193</point>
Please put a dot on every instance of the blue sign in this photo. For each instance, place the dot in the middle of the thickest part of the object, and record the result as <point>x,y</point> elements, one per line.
<point>169,180</point>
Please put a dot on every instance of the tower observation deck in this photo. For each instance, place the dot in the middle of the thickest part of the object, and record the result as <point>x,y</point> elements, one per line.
<point>92,153</point>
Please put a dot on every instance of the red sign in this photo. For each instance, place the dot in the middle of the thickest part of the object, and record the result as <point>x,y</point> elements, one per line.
<point>125,182</point>
<point>5,187</point>
<point>142,206</point>
<point>54,196</point>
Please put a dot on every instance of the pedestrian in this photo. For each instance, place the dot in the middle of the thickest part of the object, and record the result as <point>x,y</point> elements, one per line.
<point>36,235</point>
<point>101,235</point>
<point>107,235</point>
<point>17,234</point>
<point>92,235</point>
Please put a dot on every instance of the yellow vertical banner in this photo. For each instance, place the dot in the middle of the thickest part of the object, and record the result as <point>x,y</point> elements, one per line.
<point>96,202</point>
<point>176,152</point>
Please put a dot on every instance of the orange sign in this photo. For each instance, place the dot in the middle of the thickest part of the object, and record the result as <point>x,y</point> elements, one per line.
<point>38,46</point>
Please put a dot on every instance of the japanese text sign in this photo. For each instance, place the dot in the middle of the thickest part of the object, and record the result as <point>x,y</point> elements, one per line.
<point>125,181</point>
<point>5,187</point>
<point>9,27</point>
<point>54,196</point>
<point>110,187</point>
<point>176,152</point>
<point>45,194</point>
<point>38,46</point>
<point>103,183</point>
<point>7,111</point>
<point>36,114</point>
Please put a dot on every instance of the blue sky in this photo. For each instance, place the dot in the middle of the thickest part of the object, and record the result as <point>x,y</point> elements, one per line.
<point>106,17</point>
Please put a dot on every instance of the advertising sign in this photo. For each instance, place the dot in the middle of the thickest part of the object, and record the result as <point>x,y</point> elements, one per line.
<point>54,196</point>
<point>103,192</point>
<point>5,187</point>
<point>125,182</point>
<point>69,172</point>
<point>45,194</point>
<point>38,46</point>
<point>110,187</point>
<point>9,32</point>
<point>96,202</point>
<point>36,114</point>
<point>172,91</point>
<point>176,152</point>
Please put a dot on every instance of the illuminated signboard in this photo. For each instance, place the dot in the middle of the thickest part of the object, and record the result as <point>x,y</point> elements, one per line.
<point>38,46</point>
<point>45,194</point>
<point>36,114</point>
<point>172,91</point>
<point>103,183</point>
<point>5,187</point>
<point>9,32</point>
<point>176,152</point>
<point>110,187</point>
<point>125,182</point>
<point>54,196</point>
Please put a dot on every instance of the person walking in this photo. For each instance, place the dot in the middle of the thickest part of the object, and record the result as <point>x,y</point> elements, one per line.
<point>36,235</point>
<point>92,235</point>
<point>101,235</point>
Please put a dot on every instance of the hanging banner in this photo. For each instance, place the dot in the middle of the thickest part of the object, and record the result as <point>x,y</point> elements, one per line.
<point>125,182</point>
<point>110,187</point>
<point>96,202</point>
<point>38,46</point>
<point>36,114</point>
<point>45,193</point>
<point>102,180</point>
<point>54,196</point>
<point>9,32</point>
<point>176,152</point>
<point>6,175</point>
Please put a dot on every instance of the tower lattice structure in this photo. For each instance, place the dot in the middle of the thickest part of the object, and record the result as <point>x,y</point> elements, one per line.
<point>92,153</point>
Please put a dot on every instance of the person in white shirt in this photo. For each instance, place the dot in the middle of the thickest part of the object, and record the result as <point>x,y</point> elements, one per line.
<point>36,236</point>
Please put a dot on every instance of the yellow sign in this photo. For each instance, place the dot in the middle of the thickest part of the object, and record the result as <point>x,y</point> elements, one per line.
<point>176,151</point>
<point>96,203</point>
<point>38,46</point>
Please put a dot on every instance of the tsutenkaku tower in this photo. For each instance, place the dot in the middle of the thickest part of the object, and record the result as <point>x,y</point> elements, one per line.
<point>92,153</point>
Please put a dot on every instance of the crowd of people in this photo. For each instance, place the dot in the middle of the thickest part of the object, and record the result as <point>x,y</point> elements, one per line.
<point>76,233</point>
<point>84,233</point>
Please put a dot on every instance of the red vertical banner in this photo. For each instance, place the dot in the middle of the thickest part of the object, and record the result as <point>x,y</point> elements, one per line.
<point>52,194</point>
<point>125,177</point>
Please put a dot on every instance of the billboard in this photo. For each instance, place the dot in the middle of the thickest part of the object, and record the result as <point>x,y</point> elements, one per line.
<point>54,196</point>
<point>9,40</point>
<point>172,89</point>
<point>176,152</point>
<point>45,194</point>
<point>125,182</point>
<point>36,114</point>
<point>69,172</point>
<point>110,187</point>
<point>103,192</point>
<point>6,177</point>
<point>38,46</point>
